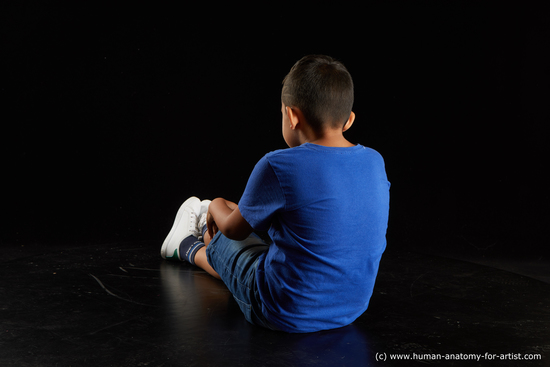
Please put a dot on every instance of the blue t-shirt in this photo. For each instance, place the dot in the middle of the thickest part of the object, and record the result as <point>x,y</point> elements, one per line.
<point>326,210</point>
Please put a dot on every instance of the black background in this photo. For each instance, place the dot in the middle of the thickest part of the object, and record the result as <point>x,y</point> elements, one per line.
<point>113,116</point>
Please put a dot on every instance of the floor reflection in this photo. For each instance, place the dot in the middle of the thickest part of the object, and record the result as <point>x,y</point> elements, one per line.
<point>122,305</point>
<point>201,316</point>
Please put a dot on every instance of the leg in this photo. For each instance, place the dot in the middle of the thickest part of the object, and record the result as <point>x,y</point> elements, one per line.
<point>202,262</point>
<point>200,258</point>
<point>236,262</point>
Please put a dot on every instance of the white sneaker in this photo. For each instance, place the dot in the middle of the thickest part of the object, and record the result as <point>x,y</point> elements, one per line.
<point>185,225</point>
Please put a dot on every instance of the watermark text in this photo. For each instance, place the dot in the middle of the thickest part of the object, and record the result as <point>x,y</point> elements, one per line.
<point>457,357</point>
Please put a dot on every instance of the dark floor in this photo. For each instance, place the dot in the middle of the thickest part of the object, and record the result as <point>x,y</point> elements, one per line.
<point>122,305</point>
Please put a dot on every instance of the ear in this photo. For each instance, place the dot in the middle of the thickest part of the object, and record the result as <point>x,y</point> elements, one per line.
<point>294,116</point>
<point>350,121</point>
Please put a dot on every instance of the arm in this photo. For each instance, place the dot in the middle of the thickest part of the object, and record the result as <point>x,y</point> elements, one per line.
<point>225,216</point>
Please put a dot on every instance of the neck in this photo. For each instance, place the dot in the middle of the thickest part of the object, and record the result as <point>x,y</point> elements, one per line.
<point>330,138</point>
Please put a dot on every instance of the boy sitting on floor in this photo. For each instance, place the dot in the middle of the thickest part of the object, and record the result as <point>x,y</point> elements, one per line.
<point>325,202</point>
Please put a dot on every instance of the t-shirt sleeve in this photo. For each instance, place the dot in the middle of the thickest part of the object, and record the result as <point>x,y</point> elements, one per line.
<point>263,196</point>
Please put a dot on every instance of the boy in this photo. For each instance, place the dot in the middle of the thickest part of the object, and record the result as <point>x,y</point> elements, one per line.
<point>325,202</point>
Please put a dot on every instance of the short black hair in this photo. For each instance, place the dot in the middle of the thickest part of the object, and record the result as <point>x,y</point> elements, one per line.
<point>322,88</point>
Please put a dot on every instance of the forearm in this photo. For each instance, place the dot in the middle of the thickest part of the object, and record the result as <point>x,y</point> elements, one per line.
<point>228,219</point>
<point>221,209</point>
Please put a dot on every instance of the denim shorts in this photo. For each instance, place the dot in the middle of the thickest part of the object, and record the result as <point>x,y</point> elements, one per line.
<point>236,263</point>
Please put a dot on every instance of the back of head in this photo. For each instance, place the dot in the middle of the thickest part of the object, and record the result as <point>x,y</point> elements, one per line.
<point>322,89</point>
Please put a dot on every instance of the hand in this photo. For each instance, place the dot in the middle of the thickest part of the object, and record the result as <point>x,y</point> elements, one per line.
<point>211,224</point>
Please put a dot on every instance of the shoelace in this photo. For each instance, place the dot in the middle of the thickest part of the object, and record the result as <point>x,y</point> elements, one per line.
<point>193,224</point>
